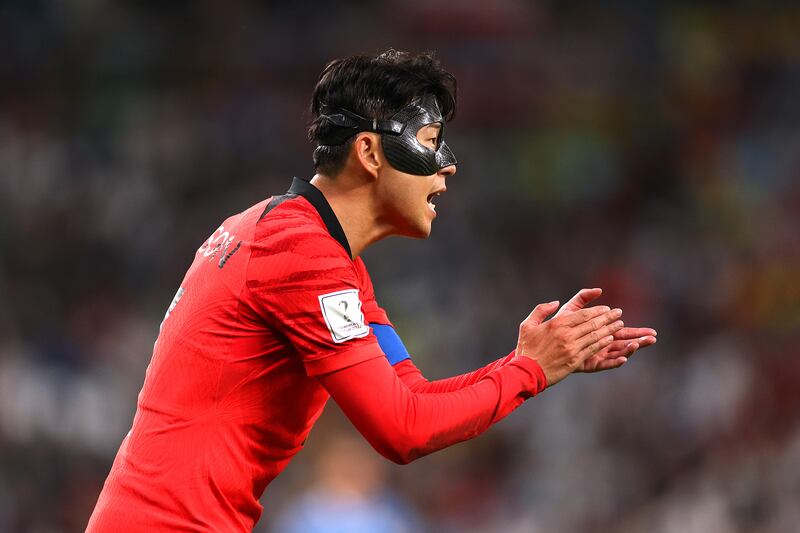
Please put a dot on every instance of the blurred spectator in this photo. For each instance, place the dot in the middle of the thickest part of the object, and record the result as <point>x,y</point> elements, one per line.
<point>349,495</point>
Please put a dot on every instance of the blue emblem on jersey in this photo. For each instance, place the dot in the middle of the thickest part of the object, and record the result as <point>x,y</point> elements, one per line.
<point>390,343</point>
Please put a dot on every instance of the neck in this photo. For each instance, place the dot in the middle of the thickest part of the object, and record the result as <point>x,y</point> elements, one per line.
<point>354,205</point>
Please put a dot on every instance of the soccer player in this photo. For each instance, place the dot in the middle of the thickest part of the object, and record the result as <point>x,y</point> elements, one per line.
<point>277,313</point>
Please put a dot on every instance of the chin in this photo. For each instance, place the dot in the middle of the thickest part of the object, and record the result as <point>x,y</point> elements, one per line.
<point>424,231</point>
<point>417,231</point>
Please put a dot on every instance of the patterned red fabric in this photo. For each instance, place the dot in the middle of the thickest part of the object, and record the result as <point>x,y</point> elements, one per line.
<point>404,425</point>
<point>271,313</point>
<point>227,399</point>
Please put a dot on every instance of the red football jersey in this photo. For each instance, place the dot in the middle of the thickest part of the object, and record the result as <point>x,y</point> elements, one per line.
<point>271,298</point>
<point>271,318</point>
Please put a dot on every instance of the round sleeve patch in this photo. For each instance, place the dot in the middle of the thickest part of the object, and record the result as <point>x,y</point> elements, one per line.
<point>342,313</point>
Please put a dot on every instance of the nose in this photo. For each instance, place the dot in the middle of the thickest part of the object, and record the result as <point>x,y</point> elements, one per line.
<point>447,171</point>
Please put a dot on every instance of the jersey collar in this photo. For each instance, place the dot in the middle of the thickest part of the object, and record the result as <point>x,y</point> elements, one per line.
<point>317,199</point>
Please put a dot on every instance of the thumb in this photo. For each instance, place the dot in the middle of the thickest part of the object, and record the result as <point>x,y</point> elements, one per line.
<point>580,300</point>
<point>542,311</point>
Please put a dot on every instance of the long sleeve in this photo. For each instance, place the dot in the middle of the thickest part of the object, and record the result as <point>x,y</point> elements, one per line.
<point>409,374</point>
<point>404,425</point>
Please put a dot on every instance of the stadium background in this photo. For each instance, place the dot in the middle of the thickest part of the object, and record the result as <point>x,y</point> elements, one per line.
<point>650,148</point>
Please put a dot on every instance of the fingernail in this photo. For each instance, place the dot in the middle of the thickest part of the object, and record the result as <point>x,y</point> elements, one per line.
<point>605,308</point>
<point>618,312</point>
<point>554,302</point>
<point>618,324</point>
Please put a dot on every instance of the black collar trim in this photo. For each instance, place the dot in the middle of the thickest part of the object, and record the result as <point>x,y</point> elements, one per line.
<point>317,199</point>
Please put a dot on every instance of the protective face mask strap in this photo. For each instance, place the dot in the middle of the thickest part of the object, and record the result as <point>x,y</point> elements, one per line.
<point>346,124</point>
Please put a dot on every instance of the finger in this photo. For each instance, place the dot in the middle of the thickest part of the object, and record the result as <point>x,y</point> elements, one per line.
<point>617,349</point>
<point>595,347</point>
<point>632,333</point>
<point>581,316</point>
<point>646,341</point>
<point>580,300</point>
<point>618,345</point>
<point>608,364</point>
<point>596,324</point>
<point>596,334</point>
<point>628,351</point>
<point>541,312</point>
<point>602,361</point>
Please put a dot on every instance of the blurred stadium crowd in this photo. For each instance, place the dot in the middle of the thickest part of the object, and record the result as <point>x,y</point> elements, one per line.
<point>649,148</point>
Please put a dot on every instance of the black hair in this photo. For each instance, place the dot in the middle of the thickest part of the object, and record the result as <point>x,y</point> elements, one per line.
<point>374,87</point>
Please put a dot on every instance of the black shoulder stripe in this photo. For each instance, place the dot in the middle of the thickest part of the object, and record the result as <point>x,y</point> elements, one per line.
<point>275,202</point>
<point>317,199</point>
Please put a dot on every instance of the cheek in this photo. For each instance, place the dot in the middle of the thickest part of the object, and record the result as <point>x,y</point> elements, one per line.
<point>405,197</point>
<point>405,190</point>
<point>405,201</point>
<point>416,195</point>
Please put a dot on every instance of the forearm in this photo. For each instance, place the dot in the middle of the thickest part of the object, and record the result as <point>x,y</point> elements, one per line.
<point>403,425</point>
<point>412,377</point>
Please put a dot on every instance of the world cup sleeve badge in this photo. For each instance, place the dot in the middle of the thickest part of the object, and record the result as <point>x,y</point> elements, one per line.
<point>342,313</point>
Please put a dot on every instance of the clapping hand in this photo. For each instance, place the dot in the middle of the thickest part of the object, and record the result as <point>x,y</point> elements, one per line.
<point>626,340</point>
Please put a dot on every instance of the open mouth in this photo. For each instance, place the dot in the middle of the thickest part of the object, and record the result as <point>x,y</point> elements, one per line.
<point>431,197</point>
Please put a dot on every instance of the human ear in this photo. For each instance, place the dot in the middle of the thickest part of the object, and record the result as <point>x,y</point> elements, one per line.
<point>368,152</point>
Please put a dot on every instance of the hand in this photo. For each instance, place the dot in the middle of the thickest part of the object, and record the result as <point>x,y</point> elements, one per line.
<point>561,345</point>
<point>626,340</point>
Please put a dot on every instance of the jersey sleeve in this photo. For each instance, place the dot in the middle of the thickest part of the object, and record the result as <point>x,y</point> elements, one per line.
<point>308,289</point>
<point>403,425</point>
<point>412,377</point>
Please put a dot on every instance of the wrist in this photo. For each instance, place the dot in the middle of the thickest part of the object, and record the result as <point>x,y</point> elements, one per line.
<point>538,377</point>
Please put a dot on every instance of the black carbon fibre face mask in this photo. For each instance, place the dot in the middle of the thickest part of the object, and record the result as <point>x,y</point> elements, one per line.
<point>398,135</point>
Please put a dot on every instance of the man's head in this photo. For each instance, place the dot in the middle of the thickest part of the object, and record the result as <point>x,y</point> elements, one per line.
<point>383,117</point>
